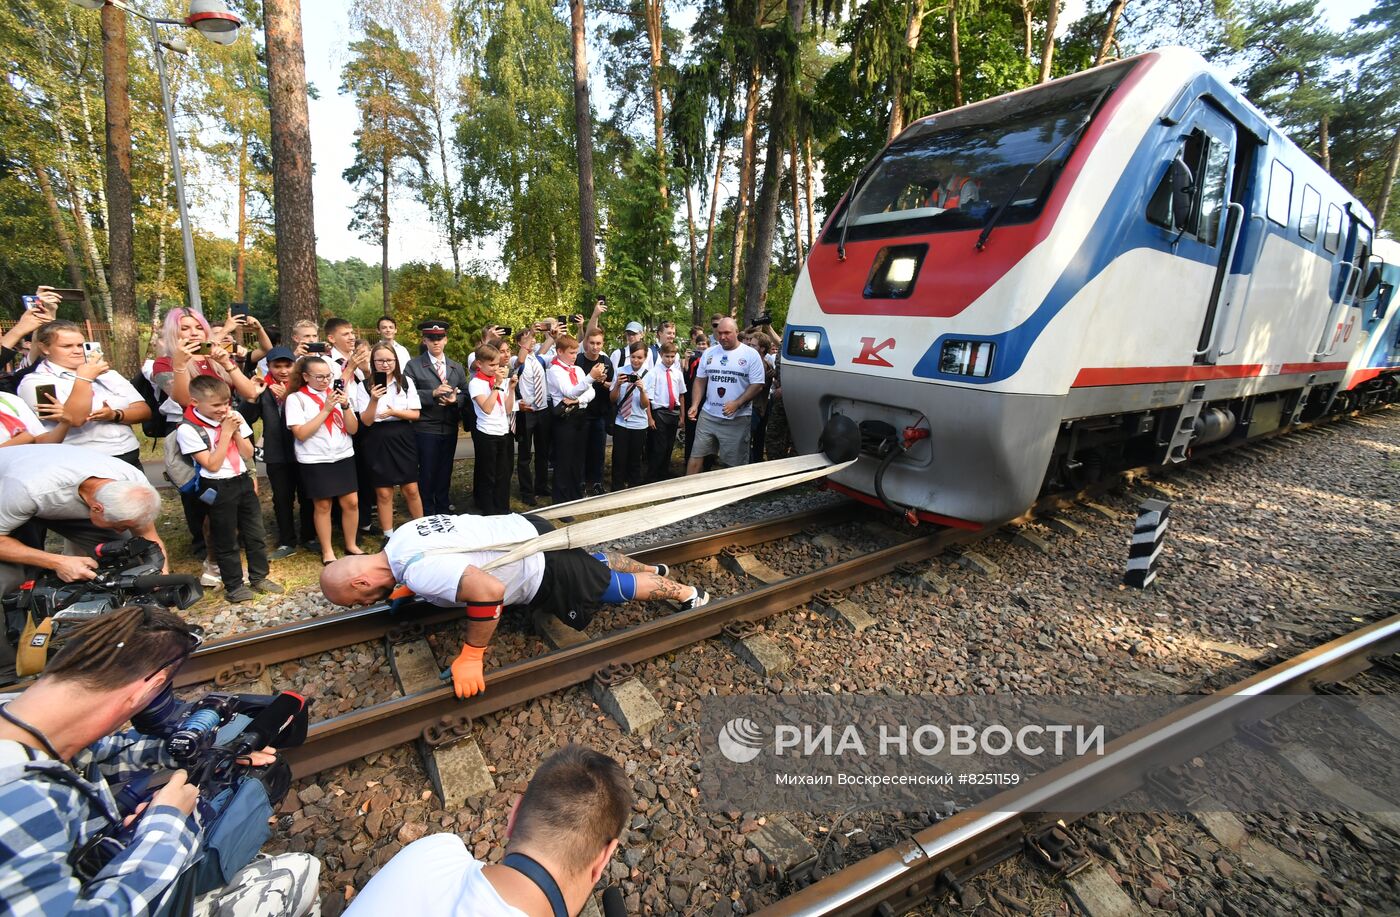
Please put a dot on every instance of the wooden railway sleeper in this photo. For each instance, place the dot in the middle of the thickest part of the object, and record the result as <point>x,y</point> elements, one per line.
<point>238,673</point>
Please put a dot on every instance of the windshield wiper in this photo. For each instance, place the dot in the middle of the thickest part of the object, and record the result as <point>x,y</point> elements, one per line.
<point>1000,211</point>
<point>857,187</point>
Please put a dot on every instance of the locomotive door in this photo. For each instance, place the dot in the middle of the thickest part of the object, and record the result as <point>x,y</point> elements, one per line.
<point>1346,288</point>
<point>1220,216</point>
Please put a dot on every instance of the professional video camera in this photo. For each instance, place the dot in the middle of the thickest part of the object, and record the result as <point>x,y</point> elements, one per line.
<point>128,573</point>
<point>211,739</point>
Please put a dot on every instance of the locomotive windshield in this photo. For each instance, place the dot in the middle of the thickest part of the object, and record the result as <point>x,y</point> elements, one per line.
<point>954,171</point>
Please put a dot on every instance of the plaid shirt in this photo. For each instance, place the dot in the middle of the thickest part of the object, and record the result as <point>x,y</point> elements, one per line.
<point>44,815</point>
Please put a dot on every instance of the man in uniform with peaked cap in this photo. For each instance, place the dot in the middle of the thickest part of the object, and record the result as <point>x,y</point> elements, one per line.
<point>442,388</point>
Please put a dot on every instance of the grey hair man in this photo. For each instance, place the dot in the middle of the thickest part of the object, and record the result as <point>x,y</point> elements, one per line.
<point>83,495</point>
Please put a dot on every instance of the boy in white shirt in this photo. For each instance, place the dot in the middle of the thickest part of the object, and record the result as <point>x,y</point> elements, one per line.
<point>493,400</point>
<point>666,389</point>
<point>629,397</point>
<point>219,442</point>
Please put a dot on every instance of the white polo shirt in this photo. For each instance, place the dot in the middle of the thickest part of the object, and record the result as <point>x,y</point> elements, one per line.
<point>108,390</point>
<point>190,442</point>
<point>659,394</point>
<point>729,373</point>
<point>13,406</point>
<point>435,576</point>
<point>497,423</point>
<point>325,446</point>
<point>432,877</point>
<point>396,398</point>
<point>560,386</point>
<point>41,481</point>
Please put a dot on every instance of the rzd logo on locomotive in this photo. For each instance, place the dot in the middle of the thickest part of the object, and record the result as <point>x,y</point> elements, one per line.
<point>870,352</point>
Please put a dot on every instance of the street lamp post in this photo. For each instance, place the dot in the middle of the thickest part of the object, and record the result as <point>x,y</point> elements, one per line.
<point>213,20</point>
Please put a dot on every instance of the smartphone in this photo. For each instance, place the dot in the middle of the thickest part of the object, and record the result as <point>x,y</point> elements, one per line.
<point>562,319</point>
<point>506,333</point>
<point>30,302</point>
<point>238,308</point>
<point>46,393</point>
<point>71,295</point>
<point>205,348</point>
<point>338,385</point>
<point>92,351</point>
<point>379,379</point>
<point>318,347</point>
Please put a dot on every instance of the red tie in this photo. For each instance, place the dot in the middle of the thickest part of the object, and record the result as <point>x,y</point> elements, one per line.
<point>573,371</point>
<point>670,391</point>
<point>333,419</point>
<point>13,425</point>
<point>235,461</point>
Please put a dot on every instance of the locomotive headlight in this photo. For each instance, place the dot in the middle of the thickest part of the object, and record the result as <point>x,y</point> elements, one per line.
<point>966,358</point>
<point>894,271</point>
<point>901,271</point>
<point>805,344</point>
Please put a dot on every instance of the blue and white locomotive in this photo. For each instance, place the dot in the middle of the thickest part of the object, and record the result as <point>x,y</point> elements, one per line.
<point>1374,374</point>
<point>1117,266</point>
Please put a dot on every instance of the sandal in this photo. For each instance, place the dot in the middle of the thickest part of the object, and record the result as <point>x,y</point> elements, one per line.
<point>327,563</point>
<point>355,553</point>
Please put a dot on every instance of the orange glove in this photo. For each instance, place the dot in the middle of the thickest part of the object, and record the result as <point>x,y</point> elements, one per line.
<point>467,677</point>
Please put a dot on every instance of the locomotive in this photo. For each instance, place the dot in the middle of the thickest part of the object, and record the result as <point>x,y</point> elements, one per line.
<point>1373,377</point>
<point>1111,268</point>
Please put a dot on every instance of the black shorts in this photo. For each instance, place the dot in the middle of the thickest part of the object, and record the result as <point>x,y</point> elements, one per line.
<point>573,581</point>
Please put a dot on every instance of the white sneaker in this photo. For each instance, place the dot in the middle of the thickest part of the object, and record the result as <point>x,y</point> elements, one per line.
<point>701,597</point>
<point>389,533</point>
<point>211,576</point>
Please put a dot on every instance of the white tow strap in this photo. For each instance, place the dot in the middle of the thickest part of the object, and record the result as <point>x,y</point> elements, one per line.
<point>646,518</point>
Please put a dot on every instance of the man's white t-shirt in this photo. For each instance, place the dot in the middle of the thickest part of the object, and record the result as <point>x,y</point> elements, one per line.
<point>460,539</point>
<point>729,373</point>
<point>41,481</point>
<point>432,877</point>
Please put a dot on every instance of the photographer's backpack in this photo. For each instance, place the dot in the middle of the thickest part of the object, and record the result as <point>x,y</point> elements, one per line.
<point>157,425</point>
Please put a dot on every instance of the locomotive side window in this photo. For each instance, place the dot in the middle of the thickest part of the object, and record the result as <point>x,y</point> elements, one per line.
<point>1212,199</point>
<point>1280,193</point>
<point>1332,238</point>
<point>1208,161</point>
<point>1311,215</point>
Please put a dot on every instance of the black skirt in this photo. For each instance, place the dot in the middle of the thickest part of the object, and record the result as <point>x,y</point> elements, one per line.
<point>391,453</point>
<point>332,479</point>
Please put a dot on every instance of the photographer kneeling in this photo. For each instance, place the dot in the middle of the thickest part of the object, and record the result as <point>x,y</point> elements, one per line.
<point>60,761</point>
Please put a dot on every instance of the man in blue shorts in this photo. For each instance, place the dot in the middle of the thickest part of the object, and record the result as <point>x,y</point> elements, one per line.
<point>439,558</point>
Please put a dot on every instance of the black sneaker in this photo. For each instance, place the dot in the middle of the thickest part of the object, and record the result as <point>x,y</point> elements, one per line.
<point>663,570</point>
<point>282,550</point>
<point>529,500</point>
<point>369,528</point>
<point>701,598</point>
<point>239,594</point>
<point>267,585</point>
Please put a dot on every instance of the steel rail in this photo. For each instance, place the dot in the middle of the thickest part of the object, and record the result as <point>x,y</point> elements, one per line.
<point>272,645</point>
<point>353,735</point>
<point>901,875</point>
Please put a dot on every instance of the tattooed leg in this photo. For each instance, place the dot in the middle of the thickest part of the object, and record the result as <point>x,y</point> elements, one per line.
<point>651,586</point>
<point>620,562</point>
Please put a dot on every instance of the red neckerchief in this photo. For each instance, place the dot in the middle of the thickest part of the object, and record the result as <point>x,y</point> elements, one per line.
<point>573,370</point>
<point>234,460</point>
<point>333,419</point>
<point>12,424</point>
<point>489,380</point>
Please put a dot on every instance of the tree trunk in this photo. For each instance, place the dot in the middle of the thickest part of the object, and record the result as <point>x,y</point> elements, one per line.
<point>298,290</point>
<point>1324,144</point>
<point>120,230</point>
<point>1388,184</point>
<point>721,148</point>
<point>583,140</point>
<point>83,224</point>
<point>242,241</point>
<point>794,173</point>
<point>807,173</point>
<point>449,205</point>
<point>655,17</point>
<point>158,289</point>
<point>554,270</point>
<point>913,29</point>
<point>386,166</point>
<point>741,198</point>
<point>694,255</point>
<point>956,49</point>
<point>766,216</point>
<point>1047,50</point>
<point>65,241</point>
<point>1115,10</point>
<point>1027,30</point>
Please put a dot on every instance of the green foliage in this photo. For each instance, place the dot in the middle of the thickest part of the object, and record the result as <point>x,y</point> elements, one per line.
<point>640,247</point>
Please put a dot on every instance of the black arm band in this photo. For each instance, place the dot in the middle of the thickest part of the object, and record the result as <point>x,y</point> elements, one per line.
<point>483,612</point>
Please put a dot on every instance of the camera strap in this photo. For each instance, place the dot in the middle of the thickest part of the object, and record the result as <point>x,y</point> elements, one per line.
<point>537,874</point>
<point>32,730</point>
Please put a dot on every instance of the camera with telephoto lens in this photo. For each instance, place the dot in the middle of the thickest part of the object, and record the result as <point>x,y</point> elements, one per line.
<point>128,573</point>
<point>210,739</point>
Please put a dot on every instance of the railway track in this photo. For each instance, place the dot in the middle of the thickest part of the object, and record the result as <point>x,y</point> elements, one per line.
<point>941,858</point>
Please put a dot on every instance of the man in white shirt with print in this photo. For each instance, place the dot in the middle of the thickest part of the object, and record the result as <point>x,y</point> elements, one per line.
<point>728,378</point>
<point>561,834</point>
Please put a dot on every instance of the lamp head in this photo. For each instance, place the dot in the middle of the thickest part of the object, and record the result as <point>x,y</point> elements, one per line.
<point>213,20</point>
